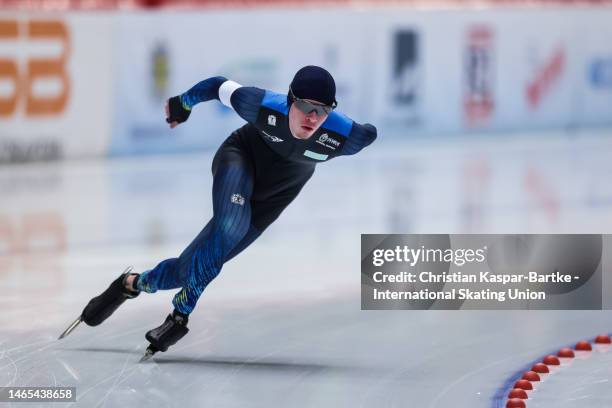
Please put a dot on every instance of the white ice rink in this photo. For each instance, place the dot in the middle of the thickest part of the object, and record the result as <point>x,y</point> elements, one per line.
<point>282,325</point>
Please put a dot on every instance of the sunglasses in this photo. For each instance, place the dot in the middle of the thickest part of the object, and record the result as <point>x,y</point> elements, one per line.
<point>306,107</point>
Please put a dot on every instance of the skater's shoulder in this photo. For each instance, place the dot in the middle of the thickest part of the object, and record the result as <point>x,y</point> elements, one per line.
<point>339,123</point>
<point>275,101</point>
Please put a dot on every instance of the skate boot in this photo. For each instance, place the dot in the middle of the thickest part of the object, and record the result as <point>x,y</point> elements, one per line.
<point>101,307</point>
<point>172,330</point>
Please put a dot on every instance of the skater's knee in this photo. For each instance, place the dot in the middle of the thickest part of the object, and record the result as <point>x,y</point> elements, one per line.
<point>231,229</point>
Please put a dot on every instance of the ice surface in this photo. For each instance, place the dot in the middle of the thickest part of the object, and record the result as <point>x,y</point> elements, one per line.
<point>282,324</point>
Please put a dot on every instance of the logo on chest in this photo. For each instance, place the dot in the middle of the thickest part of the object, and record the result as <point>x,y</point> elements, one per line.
<point>328,141</point>
<point>270,137</point>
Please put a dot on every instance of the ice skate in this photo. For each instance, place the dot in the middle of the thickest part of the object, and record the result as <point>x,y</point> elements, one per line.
<point>171,331</point>
<point>101,307</point>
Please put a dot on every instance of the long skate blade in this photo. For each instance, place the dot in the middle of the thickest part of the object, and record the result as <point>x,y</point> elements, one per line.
<point>148,354</point>
<point>71,328</point>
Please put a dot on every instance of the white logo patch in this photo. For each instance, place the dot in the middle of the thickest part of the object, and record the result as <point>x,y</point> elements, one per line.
<point>271,120</point>
<point>272,138</point>
<point>328,142</point>
<point>237,199</point>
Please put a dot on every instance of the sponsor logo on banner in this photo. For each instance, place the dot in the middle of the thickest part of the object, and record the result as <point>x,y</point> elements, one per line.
<point>479,73</point>
<point>405,84</point>
<point>39,83</point>
<point>545,76</point>
<point>13,150</point>
<point>36,84</point>
<point>159,72</point>
<point>600,73</point>
<point>144,131</point>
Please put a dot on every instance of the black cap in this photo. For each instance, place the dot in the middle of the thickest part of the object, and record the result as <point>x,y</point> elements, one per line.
<point>312,82</point>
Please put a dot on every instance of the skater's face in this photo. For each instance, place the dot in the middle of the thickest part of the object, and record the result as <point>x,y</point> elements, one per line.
<point>303,125</point>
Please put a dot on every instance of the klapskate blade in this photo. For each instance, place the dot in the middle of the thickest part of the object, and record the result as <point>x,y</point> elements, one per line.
<point>148,354</point>
<point>71,328</point>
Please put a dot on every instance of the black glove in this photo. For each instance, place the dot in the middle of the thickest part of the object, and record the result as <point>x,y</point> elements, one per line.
<point>177,113</point>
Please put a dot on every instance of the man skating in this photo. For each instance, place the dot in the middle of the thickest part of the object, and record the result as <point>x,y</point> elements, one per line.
<point>258,170</point>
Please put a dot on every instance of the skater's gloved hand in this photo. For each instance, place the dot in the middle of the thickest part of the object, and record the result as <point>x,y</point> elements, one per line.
<point>175,112</point>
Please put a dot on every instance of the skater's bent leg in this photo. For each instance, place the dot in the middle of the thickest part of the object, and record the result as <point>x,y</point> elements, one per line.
<point>203,260</point>
<point>166,275</point>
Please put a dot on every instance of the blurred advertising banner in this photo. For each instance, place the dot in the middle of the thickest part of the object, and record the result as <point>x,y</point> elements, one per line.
<point>456,71</point>
<point>55,86</point>
<point>80,84</point>
<point>168,53</point>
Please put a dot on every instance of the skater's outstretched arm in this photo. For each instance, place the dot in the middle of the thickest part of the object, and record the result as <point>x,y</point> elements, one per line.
<point>359,137</point>
<point>246,101</point>
<point>355,135</point>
